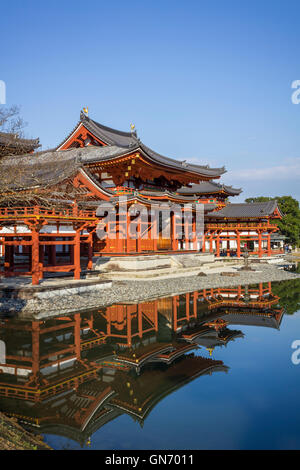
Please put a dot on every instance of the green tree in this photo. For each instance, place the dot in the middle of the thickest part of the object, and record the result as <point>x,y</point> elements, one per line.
<point>259,199</point>
<point>289,295</point>
<point>289,225</point>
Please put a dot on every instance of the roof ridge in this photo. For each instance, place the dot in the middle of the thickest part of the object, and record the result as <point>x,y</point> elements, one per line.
<point>84,118</point>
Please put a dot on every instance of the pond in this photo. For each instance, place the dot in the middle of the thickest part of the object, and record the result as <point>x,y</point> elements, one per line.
<point>212,369</point>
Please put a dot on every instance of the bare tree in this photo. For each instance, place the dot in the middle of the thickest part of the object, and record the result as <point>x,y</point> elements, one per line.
<point>12,140</point>
<point>29,178</point>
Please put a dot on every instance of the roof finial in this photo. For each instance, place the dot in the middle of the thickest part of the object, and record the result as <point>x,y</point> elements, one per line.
<point>132,127</point>
<point>86,111</point>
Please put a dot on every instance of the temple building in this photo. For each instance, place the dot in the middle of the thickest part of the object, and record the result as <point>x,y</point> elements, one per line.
<point>149,205</point>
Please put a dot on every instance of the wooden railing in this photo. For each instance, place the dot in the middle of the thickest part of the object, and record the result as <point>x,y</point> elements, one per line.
<point>33,211</point>
<point>122,190</point>
<point>242,225</point>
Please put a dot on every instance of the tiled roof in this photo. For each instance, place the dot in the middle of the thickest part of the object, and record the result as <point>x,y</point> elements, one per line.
<point>209,187</point>
<point>12,140</point>
<point>246,210</point>
<point>127,141</point>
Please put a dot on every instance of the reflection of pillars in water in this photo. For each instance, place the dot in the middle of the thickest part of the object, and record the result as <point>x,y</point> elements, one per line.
<point>155,316</point>
<point>174,301</point>
<point>129,329</point>
<point>108,323</point>
<point>2,352</point>
<point>35,346</point>
<point>90,321</point>
<point>187,305</point>
<point>77,335</point>
<point>246,295</point>
<point>239,292</point>
<point>195,304</point>
<point>140,320</point>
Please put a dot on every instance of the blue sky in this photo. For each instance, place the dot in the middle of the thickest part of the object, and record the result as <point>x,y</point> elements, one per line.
<point>209,82</point>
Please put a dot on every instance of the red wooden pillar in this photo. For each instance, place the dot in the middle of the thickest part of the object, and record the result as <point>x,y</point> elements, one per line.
<point>90,251</point>
<point>173,232</point>
<point>259,244</point>
<point>194,233</point>
<point>203,245</point>
<point>269,244</point>
<point>211,243</point>
<point>41,261</point>
<point>238,244</point>
<point>35,253</point>
<point>218,244</point>
<point>119,234</point>
<point>228,245</point>
<point>77,267</point>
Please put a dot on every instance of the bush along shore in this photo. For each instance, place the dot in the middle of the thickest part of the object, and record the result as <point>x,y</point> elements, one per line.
<point>139,291</point>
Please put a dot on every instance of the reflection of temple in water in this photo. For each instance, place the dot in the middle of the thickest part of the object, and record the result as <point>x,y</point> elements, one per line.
<point>72,374</point>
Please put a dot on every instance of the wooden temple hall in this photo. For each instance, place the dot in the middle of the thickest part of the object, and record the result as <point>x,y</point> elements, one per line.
<point>49,218</point>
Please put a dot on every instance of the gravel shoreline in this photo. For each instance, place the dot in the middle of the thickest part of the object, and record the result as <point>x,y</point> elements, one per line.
<point>139,291</point>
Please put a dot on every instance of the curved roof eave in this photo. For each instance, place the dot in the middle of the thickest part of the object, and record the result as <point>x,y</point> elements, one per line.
<point>208,187</point>
<point>129,142</point>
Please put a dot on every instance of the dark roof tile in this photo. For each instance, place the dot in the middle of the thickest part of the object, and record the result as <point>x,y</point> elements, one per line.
<point>129,141</point>
<point>209,187</point>
<point>246,210</point>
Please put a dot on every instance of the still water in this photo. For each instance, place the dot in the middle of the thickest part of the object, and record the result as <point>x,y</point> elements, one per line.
<point>210,369</point>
